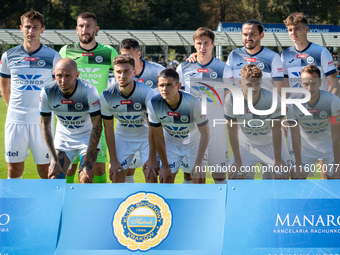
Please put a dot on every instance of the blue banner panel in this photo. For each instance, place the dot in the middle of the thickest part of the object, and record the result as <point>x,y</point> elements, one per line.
<point>138,218</point>
<point>30,216</point>
<point>280,28</point>
<point>282,218</point>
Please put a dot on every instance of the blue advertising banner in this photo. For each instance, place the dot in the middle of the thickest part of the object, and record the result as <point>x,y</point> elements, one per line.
<point>138,218</point>
<point>280,28</point>
<point>30,215</point>
<point>282,217</point>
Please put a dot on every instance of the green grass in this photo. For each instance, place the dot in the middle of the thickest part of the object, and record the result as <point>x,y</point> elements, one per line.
<point>30,171</point>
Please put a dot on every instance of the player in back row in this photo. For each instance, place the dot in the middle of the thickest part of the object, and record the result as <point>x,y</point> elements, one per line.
<point>94,62</point>
<point>25,70</point>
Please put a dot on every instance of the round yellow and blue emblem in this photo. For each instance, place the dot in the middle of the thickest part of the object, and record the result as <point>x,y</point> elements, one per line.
<point>142,221</point>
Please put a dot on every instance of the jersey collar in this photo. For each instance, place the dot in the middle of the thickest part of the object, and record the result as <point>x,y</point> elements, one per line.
<point>253,55</point>
<point>212,59</point>
<point>74,91</point>
<point>126,97</point>
<point>31,53</point>
<point>89,49</point>
<point>179,103</point>
<point>305,48</point>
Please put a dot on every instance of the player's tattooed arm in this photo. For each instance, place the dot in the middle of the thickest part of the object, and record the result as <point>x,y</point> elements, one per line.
<point>94,138</point>
<point>5,89</point>
<point>56,166</point>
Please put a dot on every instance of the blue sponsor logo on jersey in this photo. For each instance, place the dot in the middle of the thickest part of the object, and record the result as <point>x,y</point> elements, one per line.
<point>177,132</point>
<point>71,122</point>
<point>315,128</point>
<point>255,131</point>
<point>296,79</point>
<point>30,82</point>
<point>133,121</point>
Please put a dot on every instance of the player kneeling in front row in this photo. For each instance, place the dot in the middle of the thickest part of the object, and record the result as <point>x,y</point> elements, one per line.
<point>178,113</point>
<point>317,135</point>
<point>76,104</point>
<point>126,100</point>
<point>259,137</point>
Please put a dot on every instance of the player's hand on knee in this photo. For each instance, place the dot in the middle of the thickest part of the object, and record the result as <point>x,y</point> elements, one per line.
<point>197,175</point>
<point>281,170</point>
<point>55,170</point>
<point>114,167</point>
<point>151,167</point>
<point>86,172</point>
<point>235,171</point>
<point>165,175</point>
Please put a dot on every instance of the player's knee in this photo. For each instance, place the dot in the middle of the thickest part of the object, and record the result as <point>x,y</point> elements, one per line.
<point>187,177</point>
<point>99,169</point>
<point>15,170</point>
<point>131,171</point>
<point>43,171</point>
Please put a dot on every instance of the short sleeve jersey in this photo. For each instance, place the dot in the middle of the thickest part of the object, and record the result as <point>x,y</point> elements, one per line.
<point>29,73</point>
<point>94,65</point>
<point>294,60</point>
<point>149,75</point>
<point>315,129</point>
<point>180,123</point>
<point>199,81</point>
<point>268,61</point>
<point>256,129</point>
<point>130,111</point>
<point>73,112</point>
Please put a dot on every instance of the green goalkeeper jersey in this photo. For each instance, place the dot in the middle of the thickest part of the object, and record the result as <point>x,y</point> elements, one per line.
<point>93,65</point>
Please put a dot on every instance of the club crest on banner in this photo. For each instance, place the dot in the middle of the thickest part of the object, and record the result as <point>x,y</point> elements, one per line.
<point>142,221</point>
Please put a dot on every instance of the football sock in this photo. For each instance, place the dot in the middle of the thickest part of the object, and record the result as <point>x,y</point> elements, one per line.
<point>70,179</point>
<point>221,182</point>
<point>187,181</point>
<point>129,179</point>
<point>100,178</point>
<point>20,177</point>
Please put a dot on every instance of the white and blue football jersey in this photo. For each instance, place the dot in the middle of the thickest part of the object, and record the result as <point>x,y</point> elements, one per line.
<point>148,76</point>
<point>73,112</point>
<point>130,111</point>
<point>199,80</point>
<point>256,129</point>
<point>294,60</point>
<point>315,129</point>
<point>180,123</point>
<point>29,73</point>
<point>268,61</point>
